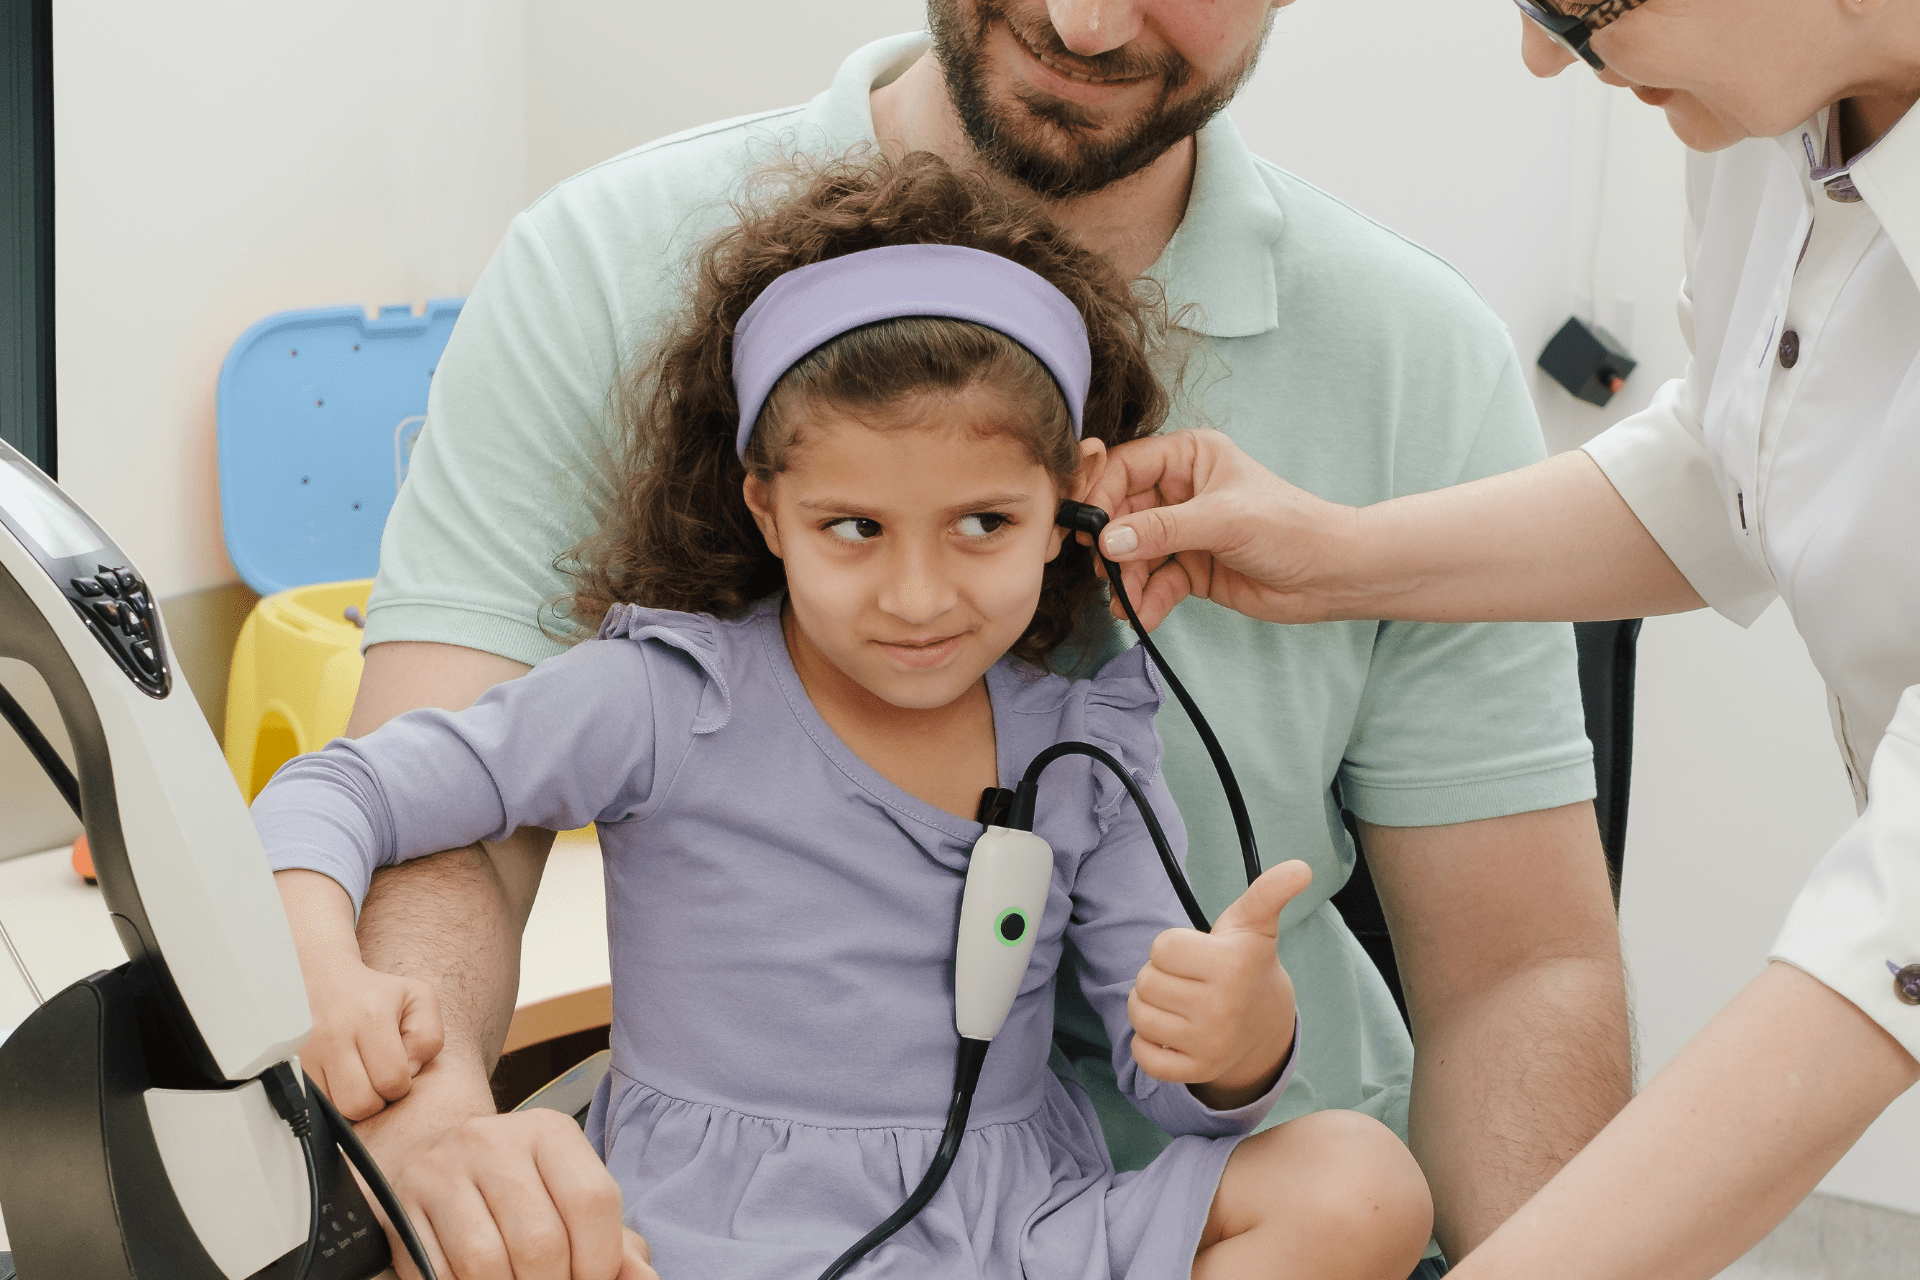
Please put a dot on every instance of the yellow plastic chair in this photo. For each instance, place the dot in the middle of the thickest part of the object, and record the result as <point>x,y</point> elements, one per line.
<point>295,670</point>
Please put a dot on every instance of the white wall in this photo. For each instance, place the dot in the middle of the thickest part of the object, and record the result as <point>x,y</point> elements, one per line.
<point>223,160</point>
<point>607,75</point>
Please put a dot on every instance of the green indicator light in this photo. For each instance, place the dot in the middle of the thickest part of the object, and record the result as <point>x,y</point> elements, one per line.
<point>1010,927</point>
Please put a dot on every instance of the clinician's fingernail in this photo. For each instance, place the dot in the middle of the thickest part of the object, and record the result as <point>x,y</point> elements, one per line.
<point>1119,541</point>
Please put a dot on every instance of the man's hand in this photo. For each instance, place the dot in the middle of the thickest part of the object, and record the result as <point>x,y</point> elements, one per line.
<point>1215,1010</point>
<point>515,1197</point>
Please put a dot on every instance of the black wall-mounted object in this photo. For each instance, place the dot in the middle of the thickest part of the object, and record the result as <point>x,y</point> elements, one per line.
<point>1588,361</point>
<point>26,230</point>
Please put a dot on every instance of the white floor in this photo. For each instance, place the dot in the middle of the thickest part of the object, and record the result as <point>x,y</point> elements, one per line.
<point>1832,1239</point>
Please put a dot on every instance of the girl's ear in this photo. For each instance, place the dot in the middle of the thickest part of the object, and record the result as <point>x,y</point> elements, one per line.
<point>760,503</point>
<point>1093,460</point>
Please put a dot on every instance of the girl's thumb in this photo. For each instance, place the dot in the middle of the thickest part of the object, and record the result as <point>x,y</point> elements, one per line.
<point>1258,909</point>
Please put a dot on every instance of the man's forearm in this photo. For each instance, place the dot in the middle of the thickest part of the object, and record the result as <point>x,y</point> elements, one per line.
<point>1510,955</point>
<point>454,921</point>
<point>1510,1084</point>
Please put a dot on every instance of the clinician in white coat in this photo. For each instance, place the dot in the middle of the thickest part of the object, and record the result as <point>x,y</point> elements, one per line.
<point>1786,462</point>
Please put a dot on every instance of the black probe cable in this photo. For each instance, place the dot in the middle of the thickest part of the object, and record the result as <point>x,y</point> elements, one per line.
<point>1085,518</point>
<point>966,1074</point>
<point>1025,796</point>
<point>292,1103</point>
<point>973,1053</point>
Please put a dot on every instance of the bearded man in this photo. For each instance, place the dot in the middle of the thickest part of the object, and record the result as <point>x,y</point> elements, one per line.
<point>1326,346</point>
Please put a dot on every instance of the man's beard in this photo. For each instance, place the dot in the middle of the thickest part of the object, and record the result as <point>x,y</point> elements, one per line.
<point>1013,139</point>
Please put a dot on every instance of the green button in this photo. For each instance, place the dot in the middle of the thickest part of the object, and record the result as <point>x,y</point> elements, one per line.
<point>1010,927</point>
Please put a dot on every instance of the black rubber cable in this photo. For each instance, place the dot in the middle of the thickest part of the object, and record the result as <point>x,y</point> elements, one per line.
<point>362,1159</point>
<point>56,768</point>
<point>966,1075</point>
<point>1085,518</point>
<point>1021,817</point>
<point>290,1102</point>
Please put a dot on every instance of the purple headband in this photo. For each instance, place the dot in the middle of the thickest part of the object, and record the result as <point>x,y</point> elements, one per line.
<point>809,307</point>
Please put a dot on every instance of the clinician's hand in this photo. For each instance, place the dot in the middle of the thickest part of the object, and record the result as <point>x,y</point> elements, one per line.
<point>1215,1011</point>
<point>515,1197</point>
<point>1193,515</point>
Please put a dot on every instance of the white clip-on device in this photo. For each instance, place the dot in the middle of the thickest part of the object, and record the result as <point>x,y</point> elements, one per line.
<point>153,1123</point>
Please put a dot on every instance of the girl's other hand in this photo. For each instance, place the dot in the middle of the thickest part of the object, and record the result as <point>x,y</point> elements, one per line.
<point>372,1032</point>
<point>1215,1011</point>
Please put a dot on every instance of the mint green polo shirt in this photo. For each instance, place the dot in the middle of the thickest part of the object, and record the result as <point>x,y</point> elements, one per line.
<point>1340,355</point>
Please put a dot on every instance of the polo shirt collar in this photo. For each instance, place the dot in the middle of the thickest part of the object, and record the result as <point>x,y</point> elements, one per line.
<point>844,110</point>
<point>1218,270</point>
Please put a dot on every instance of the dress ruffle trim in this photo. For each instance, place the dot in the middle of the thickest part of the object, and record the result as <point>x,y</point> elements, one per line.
<point>697,635</point>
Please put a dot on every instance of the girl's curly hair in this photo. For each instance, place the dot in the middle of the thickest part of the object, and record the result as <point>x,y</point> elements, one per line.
<point>678,534</point>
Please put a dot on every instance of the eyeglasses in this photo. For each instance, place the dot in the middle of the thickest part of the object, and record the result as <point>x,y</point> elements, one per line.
<point>1574,34</point>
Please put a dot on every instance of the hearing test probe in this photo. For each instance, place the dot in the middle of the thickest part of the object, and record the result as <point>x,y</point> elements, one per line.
<point>1008,874</point>
<point>154,1124</point>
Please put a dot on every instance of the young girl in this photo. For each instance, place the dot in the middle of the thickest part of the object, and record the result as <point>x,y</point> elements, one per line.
<point>825,597</point>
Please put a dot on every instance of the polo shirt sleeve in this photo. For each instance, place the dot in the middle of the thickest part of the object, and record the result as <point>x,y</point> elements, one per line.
<point>1852,927</point>
<point>1463,722</point>
<point>515,436</point>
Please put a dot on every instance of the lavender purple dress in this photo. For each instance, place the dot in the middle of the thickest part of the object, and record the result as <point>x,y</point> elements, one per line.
<point>782,927</point>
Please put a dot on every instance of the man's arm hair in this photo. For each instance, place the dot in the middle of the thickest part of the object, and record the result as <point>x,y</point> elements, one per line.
<point>453,919</point>
<point>1509,953</point>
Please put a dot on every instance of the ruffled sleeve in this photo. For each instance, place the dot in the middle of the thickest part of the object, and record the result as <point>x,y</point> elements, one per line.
<point>595,734</point>
<point>1122,897</point>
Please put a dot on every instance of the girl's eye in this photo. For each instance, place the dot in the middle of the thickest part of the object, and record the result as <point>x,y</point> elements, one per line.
<point>980,526</point>
<point>854,529</point>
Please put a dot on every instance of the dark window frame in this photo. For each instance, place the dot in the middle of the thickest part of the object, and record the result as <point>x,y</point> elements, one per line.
<point>26,230</point>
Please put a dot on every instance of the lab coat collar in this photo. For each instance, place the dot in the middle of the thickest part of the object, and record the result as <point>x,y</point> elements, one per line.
<point>1888,178</point>
<point>1217,271</point>
<point>1886,175</point>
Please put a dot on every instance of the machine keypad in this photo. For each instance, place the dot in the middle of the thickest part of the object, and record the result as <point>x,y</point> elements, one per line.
<point>115,603</point>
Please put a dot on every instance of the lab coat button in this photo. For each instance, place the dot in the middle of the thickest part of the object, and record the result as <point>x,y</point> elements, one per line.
<point>1789,349</point>
<point>1906,983</point>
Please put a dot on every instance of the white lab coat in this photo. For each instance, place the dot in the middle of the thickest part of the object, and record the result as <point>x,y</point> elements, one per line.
<point>1787,462</point>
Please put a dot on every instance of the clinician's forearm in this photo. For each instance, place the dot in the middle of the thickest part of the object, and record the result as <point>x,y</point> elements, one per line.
<point>1550,542</point>
<point>1719,1147</point>
<point>1509,1083</point>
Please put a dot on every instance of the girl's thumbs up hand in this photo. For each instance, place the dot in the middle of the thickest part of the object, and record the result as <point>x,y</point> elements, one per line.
<point>1215,1010</point>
